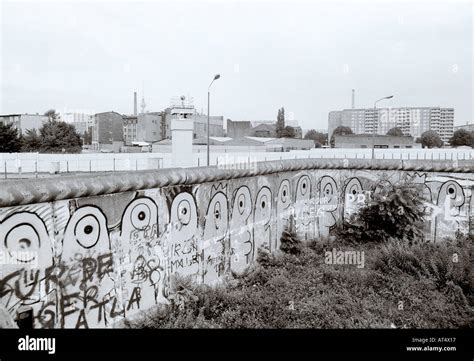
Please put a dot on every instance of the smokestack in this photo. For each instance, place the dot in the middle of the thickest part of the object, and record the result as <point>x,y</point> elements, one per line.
<point>135,103</point>
<point>353,98</point>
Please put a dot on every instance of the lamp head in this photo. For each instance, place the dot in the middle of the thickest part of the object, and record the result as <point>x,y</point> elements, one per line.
<point>217,76</point>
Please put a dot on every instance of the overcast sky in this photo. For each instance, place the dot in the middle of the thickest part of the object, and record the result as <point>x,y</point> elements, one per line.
<point>304,56</point>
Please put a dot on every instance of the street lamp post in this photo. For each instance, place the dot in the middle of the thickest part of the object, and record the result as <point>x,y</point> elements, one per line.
<point>217,76</point>
<point>374,130</point>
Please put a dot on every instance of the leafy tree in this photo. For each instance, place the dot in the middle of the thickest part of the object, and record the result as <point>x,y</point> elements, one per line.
<point>462,137</point>
<point>288,132</point>
<point>318,137</point>
<point>88,136</point>
<point>51,114</point>
<point>57,136</point>
<point>431,139</point>
<point>340,130</point>
<point>31,141</point>
<point>396,132</point>
<point>10,141</point>
<point>280,125</point>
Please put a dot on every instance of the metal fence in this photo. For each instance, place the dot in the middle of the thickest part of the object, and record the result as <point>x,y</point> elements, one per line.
<point>37,168</point>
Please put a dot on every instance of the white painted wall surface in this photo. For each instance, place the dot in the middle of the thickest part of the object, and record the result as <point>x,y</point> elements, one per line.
<point>105,162</point>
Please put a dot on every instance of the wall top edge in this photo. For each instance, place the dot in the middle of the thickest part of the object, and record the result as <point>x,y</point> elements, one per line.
<point>28,191</point>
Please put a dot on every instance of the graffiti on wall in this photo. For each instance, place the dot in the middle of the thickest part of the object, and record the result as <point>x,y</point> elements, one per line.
<point>262,220</point>
<point>215,236</point>
<point>90,262</point>
<point>241,237</point>
<point>142,278</point>
<point>328,199</point>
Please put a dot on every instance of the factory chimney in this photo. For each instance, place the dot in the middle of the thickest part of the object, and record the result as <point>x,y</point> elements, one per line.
<point>135,103</point>
<point>353,98</point>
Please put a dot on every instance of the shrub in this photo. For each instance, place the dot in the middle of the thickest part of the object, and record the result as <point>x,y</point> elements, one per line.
<point>302,291</point>
<point>447,264</point>
<point>265,258</point>
<point>182,291</point>
<point>289,242</point>
<point>395,212</point>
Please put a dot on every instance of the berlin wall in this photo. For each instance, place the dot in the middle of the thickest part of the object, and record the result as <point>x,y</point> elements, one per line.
<point>89,251</point>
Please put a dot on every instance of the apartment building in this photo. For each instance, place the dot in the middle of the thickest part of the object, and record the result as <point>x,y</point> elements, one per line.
<point>468,126</point>
<point>378,141</point>
<point>149,127</point>
<point>130,131</point>
<point>260,128</point>
<point>24,122</point>
<point>413,121</point>
<point>82,122</point>
<point>107,132</point>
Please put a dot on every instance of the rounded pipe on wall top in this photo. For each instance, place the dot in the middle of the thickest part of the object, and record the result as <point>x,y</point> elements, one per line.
<point>29,191</point>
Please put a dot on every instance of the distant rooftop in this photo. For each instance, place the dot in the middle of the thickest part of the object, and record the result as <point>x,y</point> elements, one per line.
<point>213,140</point>
<point>291,123</point>
<point>385,107</point>
<point>18,114</point>
<point>111,111</point>
<point>163,141</point>
<point>221,139</point>
<point>370,135</point>
<point>140,144</point>
<point>261,139</point>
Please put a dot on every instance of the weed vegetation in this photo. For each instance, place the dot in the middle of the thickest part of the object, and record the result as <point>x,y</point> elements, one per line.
<point>406,282</point>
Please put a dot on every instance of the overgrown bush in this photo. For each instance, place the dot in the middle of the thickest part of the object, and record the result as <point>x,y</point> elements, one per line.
<point>303,291</point>
<point>432,281</point>
<point>289,242</point>
<point>395,212</point>
<point>447,264</point>
<point>265,258</point>
<point>182,291</point>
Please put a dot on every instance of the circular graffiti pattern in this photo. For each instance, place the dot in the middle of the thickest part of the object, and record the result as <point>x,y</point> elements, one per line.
<point>263,205</point>
<point>353,187</point>
<point>284,194</point>
<point>241,203</point>
<point>183,216</point>
<point>184,212</point>
<point>303,187</point>
<point>451,193</point>
<point>87,226</point>
<point>328,191</point>
<point>217,211</point>
<point>23,238</point>
<point>140,216</point>
<point>216,218</point>
<point>87,231</point>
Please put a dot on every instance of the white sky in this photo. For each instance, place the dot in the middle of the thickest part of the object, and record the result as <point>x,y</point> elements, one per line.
<point>305,56</point>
